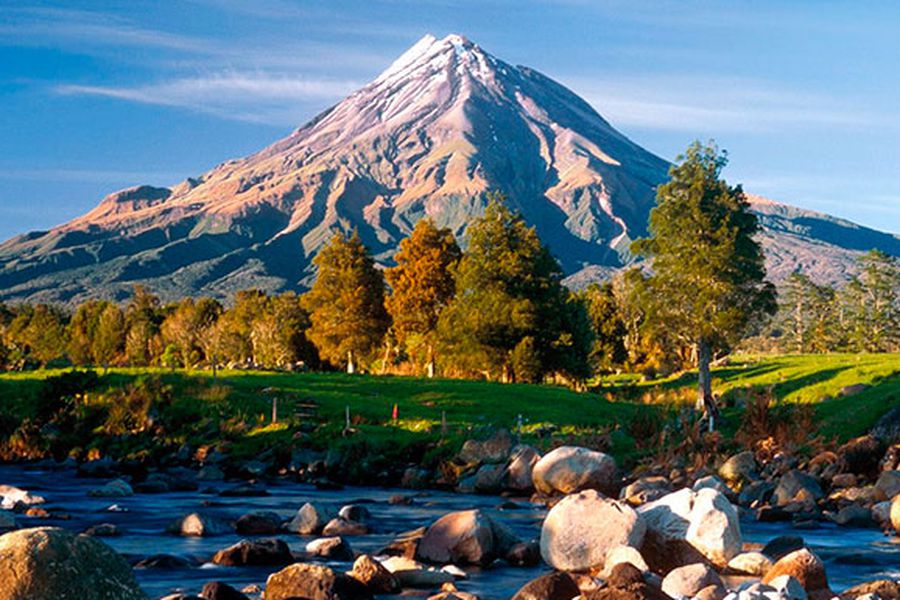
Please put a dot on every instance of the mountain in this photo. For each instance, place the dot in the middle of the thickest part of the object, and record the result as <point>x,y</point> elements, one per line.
<point>428,137</point>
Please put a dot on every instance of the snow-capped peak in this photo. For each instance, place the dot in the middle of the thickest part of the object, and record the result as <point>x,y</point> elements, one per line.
<point>429,48</point>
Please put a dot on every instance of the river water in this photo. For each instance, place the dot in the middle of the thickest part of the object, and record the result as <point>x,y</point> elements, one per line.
<point>851,555</point>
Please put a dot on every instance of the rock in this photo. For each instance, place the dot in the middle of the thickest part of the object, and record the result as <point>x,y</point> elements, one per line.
<point>495,449</point>
<point>805,567</point>
<point>626,583</point>
<point>210,473</point>
<point>794,484</point>
<point>199,525</point>
<point>895,513</point>
<point>518,473</point>
<point>854,515</point>
<point>690,579</point>
<point>374,575</point>
<point>489,479</point>
<point>888,484</point>
<point>620,555</point>
<point>404,544</point>
<point>739,469</point>
<point>258,523</point>
<point>415,478</point>
<point>340,526</point>
<point>883,589</point>
<point>7,521</point>
<point>355,512</point>
<point>413,574</point>
<point>705,519</point>
<point>788,588</point>
<point>333,548</point>
<point>246,553</point>
<point>552,586</point>
<point>750,563</point>
<point>645,489</point>
<point>103,530</point>
<point>755,493</point>
<point>881,514</point>
<point>310,519</point>
<point>782,546</point>
<point>313,582</point>
<point>570,469</point>
<point>47,562</point>
<point>861,456</point>
<point>843,480</point>
<point>11,496</point>
<point>582,528</point>
<point>712,482</point>
<point>524,554</point>
<point>116,488</point>
<point>452,594</point>
<point>887,429</point>
<point>216,590</point>
<point>464,537</point>
<point>163,561</point>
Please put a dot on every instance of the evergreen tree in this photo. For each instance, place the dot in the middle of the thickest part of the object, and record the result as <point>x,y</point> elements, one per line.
<point>346,303</point>
<point>608,350</point>
<point>807,314</point>
<point>422,285</point>
<point>511,311</point>
<point>873,299</point>
<point>708,281</point>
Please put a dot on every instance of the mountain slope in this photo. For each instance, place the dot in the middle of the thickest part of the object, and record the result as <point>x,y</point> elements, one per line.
<point>442,125</point>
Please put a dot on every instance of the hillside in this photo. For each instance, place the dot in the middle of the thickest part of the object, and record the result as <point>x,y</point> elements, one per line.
<point>446,122</point>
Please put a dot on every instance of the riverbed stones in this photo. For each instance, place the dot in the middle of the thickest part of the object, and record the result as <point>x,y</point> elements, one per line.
<point>750,563</point>
<point>411,573</point>
<point>217,590</point>
<point>198,525</point>
<point>117,488</point>
<point>341,526</point>
<point>247,553</point>
<point>788,588</point>
<point>796,486</point>
<point>690,579</point>
<point>48,562</point>
<point>582,528</point>
<point>11,497</point>
<point>495,449</point>
<point>374,575</point>
<point>258,523</point>
<point>626,583</point>
<point>883,589</point>
<point>519,470</point>
<point>314,582</point>
<point>552,586</point>
<point>705,519</point>
<point>861,455</point>
<point>739,469</point>
<point>888,484</point>
<point>805,567</point>
<point>464,537</point>
<point>895,514</point>
<point>645,489</point>
<point>332,548</point>
<point>570,469</point>
<point>311,519</point>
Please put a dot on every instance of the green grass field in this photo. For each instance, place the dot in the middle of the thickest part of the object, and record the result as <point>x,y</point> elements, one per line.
<point>237,404</point>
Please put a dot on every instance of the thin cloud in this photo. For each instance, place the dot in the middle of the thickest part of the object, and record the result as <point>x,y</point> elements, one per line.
<point>262,98</point>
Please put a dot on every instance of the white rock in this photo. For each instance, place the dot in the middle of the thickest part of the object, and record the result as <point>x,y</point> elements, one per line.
<point>750,563</point>
<point>623,554</point>
<point>705,519</point>
<point>789,588</point>
<point>12,495</point>
<point>690,579</point>
<point>570,469</point>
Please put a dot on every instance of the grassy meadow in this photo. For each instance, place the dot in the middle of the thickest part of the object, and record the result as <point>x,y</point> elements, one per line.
<point>234,408</point>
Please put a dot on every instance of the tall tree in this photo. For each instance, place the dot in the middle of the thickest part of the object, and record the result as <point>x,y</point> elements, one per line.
<point>82,330</point>
<point>143,318</point>
<point>184,325</point>
<point>708,281</point>
<point>607,321</point>
<point>346,303</point>
<point>874,302</point>
<point>109,337</point>
<point>807,314</point>
<point>422,285</point>
<point>511,317</point>
<point>37,333</point>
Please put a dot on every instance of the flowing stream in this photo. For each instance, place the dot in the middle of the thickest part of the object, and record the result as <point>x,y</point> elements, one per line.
<point>851,555</point>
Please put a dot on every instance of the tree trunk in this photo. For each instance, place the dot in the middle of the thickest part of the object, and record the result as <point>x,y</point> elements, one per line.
<point>704,383</point>
<point>351,367</point>
<point>429,368</point>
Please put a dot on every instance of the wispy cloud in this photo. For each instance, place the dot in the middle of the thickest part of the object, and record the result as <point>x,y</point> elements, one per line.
<point>715,104</point>
<point>256,97</point>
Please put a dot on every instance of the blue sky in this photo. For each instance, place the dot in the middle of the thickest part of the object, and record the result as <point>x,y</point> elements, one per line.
<point>97,96</point>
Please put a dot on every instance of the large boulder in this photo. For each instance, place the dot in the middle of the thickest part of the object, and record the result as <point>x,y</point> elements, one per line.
<point>805,567</point>
<point>583,528</point>
<point>552,586</point>
<point>48,562</point>
<point>495,449</point>
<point>861,456</point>
<point>374,575</point>
<point>464,537</point>
<point>570,469</point>
<point>314,582</point>
<point>705,519</point>
<point>796,485</point>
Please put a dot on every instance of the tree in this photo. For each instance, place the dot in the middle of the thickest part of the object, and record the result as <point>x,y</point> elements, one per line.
<point>82,330</point>
<point>708,274</point>
<point>184,325</point>
<point>38,333</point>
<point>143,319</point>
<point>608,349</point>
<point>422,285</point>
<point>346,303</point>
<point>807,314</point>
<point>109,336</point>
<point>511,310</point>
<point>873,300</point>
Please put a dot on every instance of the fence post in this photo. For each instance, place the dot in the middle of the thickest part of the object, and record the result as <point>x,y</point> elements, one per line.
<point>274,409</point>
